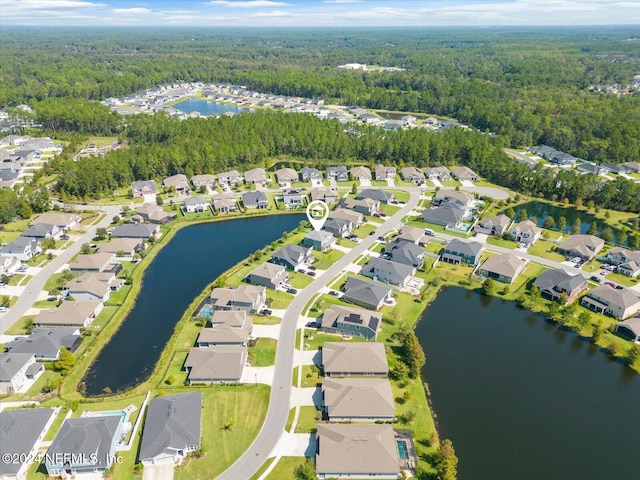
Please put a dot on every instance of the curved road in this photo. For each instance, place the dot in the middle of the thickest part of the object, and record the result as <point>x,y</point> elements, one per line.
<point>278,412</point>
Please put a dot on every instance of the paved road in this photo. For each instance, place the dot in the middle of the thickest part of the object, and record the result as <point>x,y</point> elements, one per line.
<point>274,424</point>
<point>36,284</point>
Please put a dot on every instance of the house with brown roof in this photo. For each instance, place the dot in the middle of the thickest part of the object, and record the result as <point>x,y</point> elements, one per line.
<point>360,173</point>
<point>493,225</point>
<point>356,218</point>
<point>257,176</point>
<point>155,214</point>
<point>356,322</point>
<point>224,205</point>
<point>385,173</point>
<point>180,182</point>
<point>503,268</point>
<point>584,246</point>
<point>97,262</point>
<point>88,288</point>
<point>366,206</point>
<point>456,198</point>
<point>207,180</point>
<point>413,235</point>
<point>629,329</point>
<point>250,298</point>
<point>122,247</point>
<point>412,174</point>
<point>605,299</point>
<point>227,328</point>
<point>356,451</point>
<point>526,232</point>
<point>286,176</point>
<point>230,178</point>
<point>268,275</point>
<point>358,399</point>
<point>464,173</point>
<point>69,314</point>
<point>64,221</point>
<point>220,364</point>
<point>344,359</point>
<point>621,255</point>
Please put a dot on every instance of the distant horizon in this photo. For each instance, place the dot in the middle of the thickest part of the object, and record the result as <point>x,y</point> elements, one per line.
<point>320,13</point>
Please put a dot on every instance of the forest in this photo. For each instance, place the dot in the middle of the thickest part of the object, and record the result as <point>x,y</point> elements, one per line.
<point>527,85</point>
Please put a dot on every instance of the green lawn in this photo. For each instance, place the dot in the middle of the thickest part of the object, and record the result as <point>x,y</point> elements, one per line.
<point>279,300</point>
<point>389,209</point>
<point>176,372</point>
<point>263,353</point>
<point>435,247</point>
<point>401,196</point>
<point>418,223</point>
<point>364,230</point>
<point>501,242</point>
<point>299,280</point>
<point>12,230</point>
<point>18,327</point>
<point>325,260</point>
<point>99,141</point>
<point>307,419</point>
<point>268,320</point>
<point>46,303</point>
<point>622,279</point>
<point>316,339</point>
<point>543,248</point>
<point>285,468</point>
<point>310,376</point>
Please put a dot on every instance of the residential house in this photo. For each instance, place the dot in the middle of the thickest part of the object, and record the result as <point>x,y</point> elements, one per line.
<point>629,329</point>
<point>458,251</point>
<point>8,265</point>
<point>286,176</point>
<point>544,151</point>
<point>25,428</point>
<point>327,195</point>
<point>22,248</point>
<point>388,271</point>
<point>356,218</point>
<point>413,235</point>
<point>344,359</point>
<point>621,255</point>
<point>228,327</point>
<point>464,174</point>
<point>590,167</point>
<point>385,173</point>
<point>268,275</point>
<point>412,174</point>
<point>230,178</point>
<point>256,199</point>
<point>310,174</point>
<point>16,369</point>
<point>155,214</point>
<point>293,257</point>
<point>562,159</point>
<point>616,168</point>
<point>356,451</point>
<point>196,204</point>
<point>556,282</point>
<point>144,188</point>
<point>42,230</point>
<point>493,225</point>
<point>407,253</point>
<point>408,120</point>
<point>220,364</point>
<point>503,268</point>
<point>171,428</point>
<point>88,288</point>
<point>249,298</point>
<point>584,246</point>
<point>319,240</point>
<point>97,262</point>
<point>526,232</point>
<point>630,269</point>
<point>360,173</point>
<point>180,182</point>
<point>356,322</point>
<point>605,299</point>
<point>74,314</point>
<point>338,227</point>
<point>358,400</point>
<point>633,166</point>
<point>45,343</point>
<point>64,221</point>
<point>141,231</point>
<point>339,173</point>
<point>122,247</point>
<point>441,174</point>
<point>459,199</point>
<point>365,294</point>
<point>292,198</point>
<point>446,215</point>
<point>380,196</point>
<point>224,205</point>
<point>257,176</point>
<point>366,206</point>
<point>205,180</point>
<point>85,445</point>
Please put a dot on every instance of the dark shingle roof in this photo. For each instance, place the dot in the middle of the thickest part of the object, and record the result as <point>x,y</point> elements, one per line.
<point>364,292</point>
<point>11,363</point>
<point>130,230</point>
<point>44,342</point>
<point>447,213</point>
<point>558,280</point>
<point>23,427</point>
<point>375,194</point>
<point>470,249</point>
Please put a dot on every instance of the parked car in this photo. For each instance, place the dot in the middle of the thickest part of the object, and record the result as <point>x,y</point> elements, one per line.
<point>334,293</point>
<point>2,285</point>
<point>310,273</point>
<point>428,231</point>
<point>292,291</point>
<point>3,309</point>
<point>64,237</point>
<point>619,287</point>
<point>382,214</point>
<point>612,285</point>
<point>382,239</point>
<point>311,267</point>
<point>372,233</point>
<point>266,311</point>
<point>595,279</point>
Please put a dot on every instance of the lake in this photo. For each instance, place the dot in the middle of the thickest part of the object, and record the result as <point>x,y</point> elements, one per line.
<point>193,258</point>
<point>522,399</point>
<point>541,211</point>
<point>206,108</point>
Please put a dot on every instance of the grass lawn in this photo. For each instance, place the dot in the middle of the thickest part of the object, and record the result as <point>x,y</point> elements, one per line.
<point>299,280</point>
<point>224,405</point>
<point>263,353</point>
<point>286,468</point>
<point>501,242</point>
<point>307,419</point>
<point>421,224</point>
<point>343,242</point>
<point>364,230</point>
<point>452,183</point>
<point>18,278</point>
<point>389,209</point>
<point>379,183</point>
<point>268,320</point>
<point>18,327</point>
<point>435,247</point>
<point>176,369</point>
<point>543,248</point>
<point>99,141</point>
<point>325,260</point>
<point>279,300</point>
<point>310,376</point>
<point>362,260</point>
<point>592,265</point>
<point>36,388</point>
<point>622,279</point>
<point>518,287</point>
<point>316,339</point>
<point>46,303</point>
<point>12,230</point>
<point>54,281</point>
<point>401,196</point>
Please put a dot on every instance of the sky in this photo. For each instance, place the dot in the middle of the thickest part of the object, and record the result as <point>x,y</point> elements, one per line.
<point>318,13</point>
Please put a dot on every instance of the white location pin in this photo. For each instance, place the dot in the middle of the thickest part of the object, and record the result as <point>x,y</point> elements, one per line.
<point>317,213</point>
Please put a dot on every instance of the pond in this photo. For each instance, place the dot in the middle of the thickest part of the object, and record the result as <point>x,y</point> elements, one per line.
<point>541,211</point>
<point>206,108</point>
<point>522,399</point>
<point>193,258</point>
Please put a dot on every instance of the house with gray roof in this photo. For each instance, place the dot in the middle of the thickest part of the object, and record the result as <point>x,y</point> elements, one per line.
<point>338,173</point>
<point>360,173</point>
<point>257,176</point>
<point>629,329</point>
<point>309,174</point>
<point>385,173</point>
<point>366,206</point>
<point>42,230</point>
<point>493,225</point>
<point>459,199</point>
<point>630,269</point>
<point>230,178</point>
<point>319,240</point>
<point>343,359</point>
<point>286,176</point>
<point>219,364</point>
<point>405,252</point>
<point>179,181</point>
<point>526,232</point>
<point>16,369</point>
<point>268,275</point>
<point>45,343</point>
<point>155,214</point>
<point>553,283</point>
<point>356,218</point>
<point>380,196</point>
<point>196,204</point>
<point>412,174</point>
<point>22,248</point>
<point>338,227</point>
<point>144,188</point>
<point>292,198</point>
<point>605,299</point>
<point>502,267</point>
<point>205,180</point>
<point>464,173</point>
<point>584,246</point>
<point>249,298</point>
<point>358,399</point>
<point>621,255</point>
<point>25,428</point>
<point>78,314</point>
<point>440,173</point>
<point>458,251</point>
<point>293,257</point>
<point>447,215</point>
<point>388,271</point>
<point>356,322</point>
<point>84,445</point>
<point>64,221</point>
<point>172,428</point>
<point>365,294</point>
<point>255,199</point>
<point>130,230</point>
<point>356,451</point>
<point>325,194</point>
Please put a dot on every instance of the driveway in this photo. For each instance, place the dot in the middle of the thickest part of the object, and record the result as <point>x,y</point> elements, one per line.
<point>365,182</point>
<point>257,375</point>
<point>495,193</point>
<point>295,445</point>
<point>306,397</point>
<point>266,331</point>
<point>308,357</point>
<point>161,471</point>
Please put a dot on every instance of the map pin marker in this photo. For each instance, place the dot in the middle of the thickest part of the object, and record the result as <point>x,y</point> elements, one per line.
<point>317,213</point>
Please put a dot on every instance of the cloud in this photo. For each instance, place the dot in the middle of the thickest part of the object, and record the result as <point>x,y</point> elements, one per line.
<point>275,14</point>
<point>342,1</point>
<point>49,4</point>
<point>133,10</point>
<point>248,3</point>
